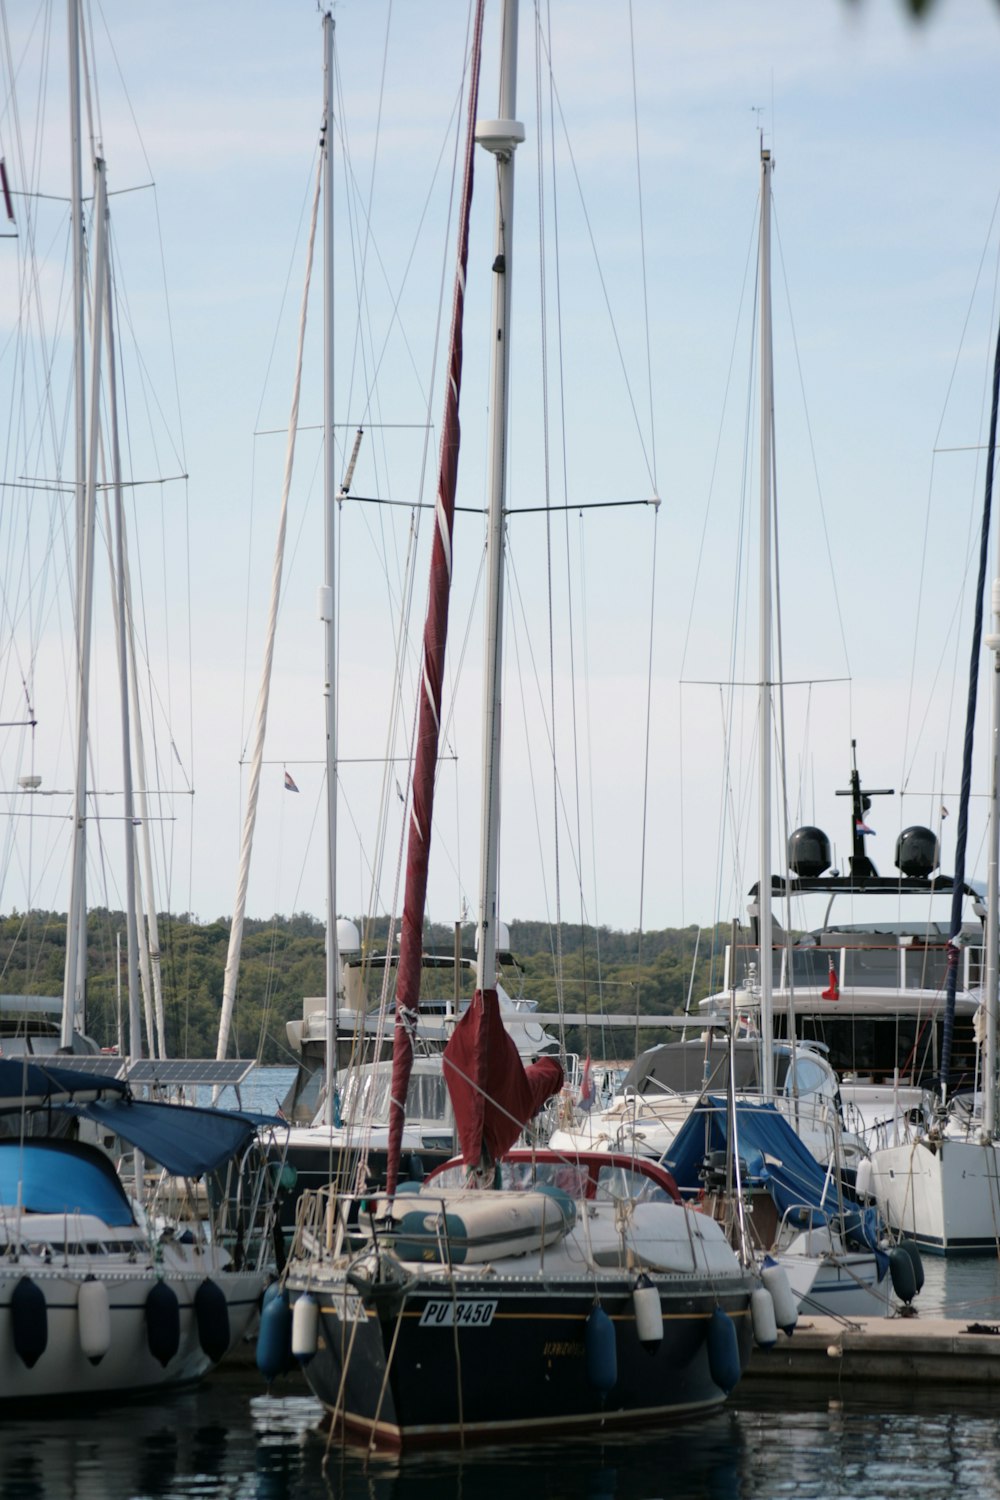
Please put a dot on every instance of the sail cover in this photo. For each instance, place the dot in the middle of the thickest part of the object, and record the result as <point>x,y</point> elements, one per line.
<point>494,1095</point>
<point>418,844</point>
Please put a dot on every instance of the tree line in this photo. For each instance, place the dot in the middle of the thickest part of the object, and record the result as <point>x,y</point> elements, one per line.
<point>586,971</point>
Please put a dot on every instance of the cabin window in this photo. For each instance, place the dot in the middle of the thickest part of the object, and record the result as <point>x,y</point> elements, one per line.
<point>620,1184</point>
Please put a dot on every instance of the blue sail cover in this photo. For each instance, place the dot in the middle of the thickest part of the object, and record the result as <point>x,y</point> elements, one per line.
<point>61,1177</point>
<point>187,1141</point>
<point>776,1160</point>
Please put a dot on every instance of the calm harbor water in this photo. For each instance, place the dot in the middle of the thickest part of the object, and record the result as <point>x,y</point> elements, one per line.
<point>232,1438</point>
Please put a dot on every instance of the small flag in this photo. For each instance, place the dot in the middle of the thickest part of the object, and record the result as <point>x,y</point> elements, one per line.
<point>860,826</point>
<point>832,992</point>
<point>944,811</point>
<point>289,783</point>
<point>587,1090</point>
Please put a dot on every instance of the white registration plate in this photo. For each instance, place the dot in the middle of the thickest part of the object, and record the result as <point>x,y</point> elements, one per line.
<point>349,1307</point>
<point>462,1314</point>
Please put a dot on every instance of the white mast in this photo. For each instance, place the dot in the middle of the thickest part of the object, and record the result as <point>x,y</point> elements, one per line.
<point>76,913</point>
<point>764,927</point>
<point>132,936</point>
<point>327,591</point>
<point>263,694</point>
<point>500,137</point>
<point>76,916</point>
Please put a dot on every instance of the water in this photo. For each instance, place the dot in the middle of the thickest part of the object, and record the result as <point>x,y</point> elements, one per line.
<point>230,1439</point>
<point>233,1439</point>
<point>262,1090</point>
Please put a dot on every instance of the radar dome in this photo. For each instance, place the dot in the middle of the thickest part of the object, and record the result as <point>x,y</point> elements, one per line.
<point>918,852</point>
<point>502,937</point>
<point>348,936</point>
<point>808,852</point>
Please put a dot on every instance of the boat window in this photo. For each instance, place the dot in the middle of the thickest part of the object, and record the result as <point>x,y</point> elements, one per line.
<point>807,1077</point>
<point>427,1097</point>
<point>367,1093</point>
<point>621,1184</point>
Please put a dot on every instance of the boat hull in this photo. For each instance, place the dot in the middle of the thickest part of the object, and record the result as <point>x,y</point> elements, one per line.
<point>128,1366</point>
<point>450,1359</point>
<point>943,1194</point>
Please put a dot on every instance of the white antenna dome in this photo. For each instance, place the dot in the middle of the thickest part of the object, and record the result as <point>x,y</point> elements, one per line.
<point>348,936</point>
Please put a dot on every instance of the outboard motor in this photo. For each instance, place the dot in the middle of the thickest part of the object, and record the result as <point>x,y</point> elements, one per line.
<point>713,1172</point>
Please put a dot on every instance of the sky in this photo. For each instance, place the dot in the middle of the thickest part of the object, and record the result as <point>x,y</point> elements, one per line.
<point>629,786</point>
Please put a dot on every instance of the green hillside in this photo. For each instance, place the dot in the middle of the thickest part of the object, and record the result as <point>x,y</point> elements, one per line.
<point>592,970</point>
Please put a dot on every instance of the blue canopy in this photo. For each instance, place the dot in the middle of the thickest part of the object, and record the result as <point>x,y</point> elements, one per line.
<point>184,1139</point>
<point>26,1084</point>
<point>57,1176</point>
<point>776,1160</point>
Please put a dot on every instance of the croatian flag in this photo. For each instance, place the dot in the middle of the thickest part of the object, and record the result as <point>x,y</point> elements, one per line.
<point>860,826</point>
<point>289,783</point>
<point>587,1090</point>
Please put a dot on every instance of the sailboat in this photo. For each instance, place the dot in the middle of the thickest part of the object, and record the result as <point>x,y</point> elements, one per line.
<point>112,1284</point>
<point>137,1235</point>
<point>938,1182</point>
<point>617,1308</point>
<point>687,1103</point>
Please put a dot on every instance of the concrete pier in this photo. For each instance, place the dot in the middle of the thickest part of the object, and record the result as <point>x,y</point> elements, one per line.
<point>922,1350</point>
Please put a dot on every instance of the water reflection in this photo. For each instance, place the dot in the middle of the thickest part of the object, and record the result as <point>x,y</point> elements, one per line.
<point>228,1439</point>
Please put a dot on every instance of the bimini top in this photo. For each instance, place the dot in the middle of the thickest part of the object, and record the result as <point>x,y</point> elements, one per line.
<point>188,1141</point>
<point>184,1139</point>
<point>27,1084</point>
<point>62,1177</point>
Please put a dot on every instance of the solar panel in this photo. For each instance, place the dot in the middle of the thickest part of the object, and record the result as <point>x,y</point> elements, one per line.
<point>80,1062</point>
<point>195,1070</point>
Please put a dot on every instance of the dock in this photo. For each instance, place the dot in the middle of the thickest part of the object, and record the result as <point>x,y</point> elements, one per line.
<point>924,1351</point>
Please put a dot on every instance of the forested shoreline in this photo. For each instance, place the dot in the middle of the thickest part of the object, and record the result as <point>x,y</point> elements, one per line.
<point>596,970</point>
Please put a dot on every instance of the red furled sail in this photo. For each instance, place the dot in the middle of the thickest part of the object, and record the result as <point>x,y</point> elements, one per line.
<point>494,1095</point>
<point>432,675</point>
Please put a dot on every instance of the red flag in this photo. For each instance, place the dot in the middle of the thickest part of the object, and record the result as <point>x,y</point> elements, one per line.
<point>587,1090</point>
<point>832,992</point>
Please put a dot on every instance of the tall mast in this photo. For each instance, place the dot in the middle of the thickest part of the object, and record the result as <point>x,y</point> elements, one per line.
<point>501,137</point>
<point>993,864</point>
<point>327,592</point>
<point>76,913</point>
<point>76,916</point>
<point>989,1084</point>
<point>766,460</point>
<point>135,1047</point>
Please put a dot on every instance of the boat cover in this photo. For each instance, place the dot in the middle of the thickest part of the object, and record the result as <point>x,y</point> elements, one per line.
<point>184,1139</point>
<point>57,1177</point>
<point>24,1084</point>
<point>776,1162</point>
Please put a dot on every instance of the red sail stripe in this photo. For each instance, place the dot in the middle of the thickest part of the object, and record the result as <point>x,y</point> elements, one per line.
<point>432,676</point>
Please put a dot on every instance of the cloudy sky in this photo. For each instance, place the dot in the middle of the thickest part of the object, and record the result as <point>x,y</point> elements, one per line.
<point>634,376</point>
